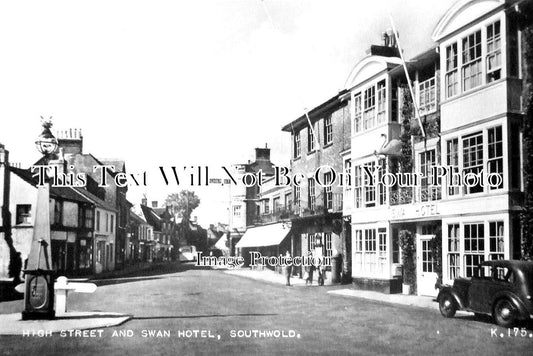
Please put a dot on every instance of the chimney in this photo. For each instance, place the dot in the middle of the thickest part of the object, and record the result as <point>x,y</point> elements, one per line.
<point>144,201</point>
<point>389,48</point>
<point>71,140</point>
<point>154,203</point>
<point>262,154</point>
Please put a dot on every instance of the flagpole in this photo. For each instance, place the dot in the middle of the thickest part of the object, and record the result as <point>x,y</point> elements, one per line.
<point>417,113</point>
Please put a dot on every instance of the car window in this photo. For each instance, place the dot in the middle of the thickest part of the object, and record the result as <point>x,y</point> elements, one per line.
<point>503,274</point>
<point>482,272</point>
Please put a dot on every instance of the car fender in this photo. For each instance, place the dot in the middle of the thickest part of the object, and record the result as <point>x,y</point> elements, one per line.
<point>513,298</point>
<point>448,290</point>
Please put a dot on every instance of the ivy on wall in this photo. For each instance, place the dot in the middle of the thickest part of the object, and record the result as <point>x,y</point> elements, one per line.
<point>525,20</point>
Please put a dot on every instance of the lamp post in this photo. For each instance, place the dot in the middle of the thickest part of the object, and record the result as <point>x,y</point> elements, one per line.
<point>39,294</point>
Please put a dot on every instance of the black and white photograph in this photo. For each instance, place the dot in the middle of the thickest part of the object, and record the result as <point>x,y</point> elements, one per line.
<point>265,177</point>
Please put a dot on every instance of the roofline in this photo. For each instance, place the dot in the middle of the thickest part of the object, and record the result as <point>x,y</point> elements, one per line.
<point>317,111</point>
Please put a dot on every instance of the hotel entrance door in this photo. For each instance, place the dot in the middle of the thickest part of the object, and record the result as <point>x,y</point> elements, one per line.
<point>425,266</point>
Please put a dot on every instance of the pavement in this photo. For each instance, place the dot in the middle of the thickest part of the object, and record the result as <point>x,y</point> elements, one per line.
<point>273,277</point>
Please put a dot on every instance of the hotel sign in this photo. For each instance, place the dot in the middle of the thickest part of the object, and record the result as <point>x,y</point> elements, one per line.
<point>410,211</point>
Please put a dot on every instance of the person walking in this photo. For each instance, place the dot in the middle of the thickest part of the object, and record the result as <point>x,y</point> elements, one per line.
<point>288,269</point>
<point>309,268</point>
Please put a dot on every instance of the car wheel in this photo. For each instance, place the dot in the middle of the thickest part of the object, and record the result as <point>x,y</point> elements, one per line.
<point>447,306</point>
<point>504,313</point>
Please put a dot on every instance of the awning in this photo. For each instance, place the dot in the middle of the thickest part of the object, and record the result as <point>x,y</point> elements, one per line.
<point>268,235</point>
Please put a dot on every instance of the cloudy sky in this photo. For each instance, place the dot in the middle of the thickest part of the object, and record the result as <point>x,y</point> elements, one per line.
<point>181,83</point>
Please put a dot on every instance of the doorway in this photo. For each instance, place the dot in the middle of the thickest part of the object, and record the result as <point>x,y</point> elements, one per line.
<point>425,266</point>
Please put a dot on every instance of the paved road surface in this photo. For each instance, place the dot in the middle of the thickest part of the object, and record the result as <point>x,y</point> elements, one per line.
<point>222,304</point>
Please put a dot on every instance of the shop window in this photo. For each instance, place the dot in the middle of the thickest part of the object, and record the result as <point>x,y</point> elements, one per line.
<point>23,214</point>
<point>454,262</point>
<point>474,240</point>
<point>358,251</point>
<point>370,250</point>
<point>327,248</point>
<point>496,246</point>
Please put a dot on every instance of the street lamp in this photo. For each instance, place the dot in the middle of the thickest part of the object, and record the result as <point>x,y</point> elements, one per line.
<point>39,281</point>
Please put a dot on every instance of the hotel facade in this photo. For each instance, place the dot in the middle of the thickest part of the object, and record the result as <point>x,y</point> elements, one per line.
<point>468,88</point>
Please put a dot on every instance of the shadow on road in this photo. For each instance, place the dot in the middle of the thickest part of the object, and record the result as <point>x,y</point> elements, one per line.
<point>199,316</point>
<point>107,282</point>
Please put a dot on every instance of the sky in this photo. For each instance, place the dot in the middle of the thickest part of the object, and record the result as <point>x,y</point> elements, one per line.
<point>185,83</point>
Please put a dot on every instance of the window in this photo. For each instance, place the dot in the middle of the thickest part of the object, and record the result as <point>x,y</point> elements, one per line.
<point>106,222</point>
<point>311,242</point>
<point>369,114</point>
<point>58,212</point>
<point>276,205</point>
<point>237,210</point>
<point>311,138</point>
<point>358,250</point>
<point>370,189</point>
<point>427,98</point>
<point>288,201</point>
<point>381,187</point>
<point>311,194</point>
<point>370,250</point>
<point>429,190</point>
<point>382,244</point>
<point>382,102</point>
<point>357,124</point>
<point>495,154</point>
<point>471,69</point>
<point>97,221</point>
<point>473,160</point>
<point>89,214</point>
<point>454,263</point>
<point>266,206</point>
<point>348,174</point>
<point>297,196</point>
<point>452,160</point>
<point>23,214</point>
<point>328,249</point>
<point>328,131</point>
<point>494,60</point>
<point>112,223</point>
<point>474,240</point>
<point>328,194</point>
<point>358,186</point>
<point>297,145</point>
<point>496,240</point>
<point>451,71</point>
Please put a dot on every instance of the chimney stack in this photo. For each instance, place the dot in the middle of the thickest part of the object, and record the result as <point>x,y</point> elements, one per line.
<point>71,140</point>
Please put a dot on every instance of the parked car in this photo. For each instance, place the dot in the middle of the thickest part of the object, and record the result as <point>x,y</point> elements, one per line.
<point>187,253</point>
<point>215,252</point>
<point>501,288</point>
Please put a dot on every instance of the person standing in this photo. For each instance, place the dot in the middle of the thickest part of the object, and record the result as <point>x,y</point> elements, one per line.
<point>288,269</point>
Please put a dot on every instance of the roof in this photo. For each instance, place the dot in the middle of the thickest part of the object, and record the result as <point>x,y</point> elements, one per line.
<point>65,193</point>
<point>137,218</point>
<point>97,201</point>
<point>120,165</point>
<point>315,113</point>
<point>423,59</point>
<point>151,217</point>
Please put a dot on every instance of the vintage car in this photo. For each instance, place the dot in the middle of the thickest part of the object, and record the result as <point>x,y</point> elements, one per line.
<point>187,253</point>
<point>500,288</point>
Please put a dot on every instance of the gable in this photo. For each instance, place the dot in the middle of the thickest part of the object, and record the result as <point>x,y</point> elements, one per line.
<point>369,67</point>
<point>461,14</point>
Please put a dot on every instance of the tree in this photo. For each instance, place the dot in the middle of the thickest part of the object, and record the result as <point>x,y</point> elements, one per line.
<point>183,203</point>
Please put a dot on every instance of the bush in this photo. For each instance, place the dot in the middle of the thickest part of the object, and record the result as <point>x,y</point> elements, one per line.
<point>407,244</point>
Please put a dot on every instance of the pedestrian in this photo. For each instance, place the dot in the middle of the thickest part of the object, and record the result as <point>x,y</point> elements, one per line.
<point>309,268</point>
<point>288,269</point>
<point>15,268</point>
